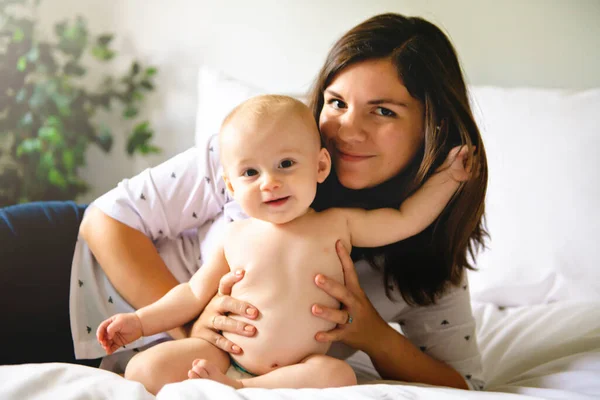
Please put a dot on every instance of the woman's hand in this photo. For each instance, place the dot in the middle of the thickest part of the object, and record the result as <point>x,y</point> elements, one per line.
<point>357,318</point>
<point>214,319</point>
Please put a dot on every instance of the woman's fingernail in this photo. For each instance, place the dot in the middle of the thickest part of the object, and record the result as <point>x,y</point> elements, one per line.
<point>251,311</point>
<point>239,272</point>
<point>318,310</point>
<point>320,279</point>
<point>249,328</point>
<point>235,348</point>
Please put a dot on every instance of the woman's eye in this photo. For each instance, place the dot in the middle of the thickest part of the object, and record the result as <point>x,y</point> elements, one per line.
<point>335,103</point>
<point>286,164</point>
<point>250,172</point>
<point>385,112</point>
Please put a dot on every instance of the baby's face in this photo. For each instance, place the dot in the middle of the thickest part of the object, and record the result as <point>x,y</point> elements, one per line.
<point>272,166</point>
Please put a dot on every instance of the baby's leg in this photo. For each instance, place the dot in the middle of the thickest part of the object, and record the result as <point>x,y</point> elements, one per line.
<point>316,371</point>
<point>170,362</point>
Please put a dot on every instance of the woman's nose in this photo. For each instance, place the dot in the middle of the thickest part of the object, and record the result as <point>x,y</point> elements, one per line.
<point>270,182</point>
<point>352,127</point>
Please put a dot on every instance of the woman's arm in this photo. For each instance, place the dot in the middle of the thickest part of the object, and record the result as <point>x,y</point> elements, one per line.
<point>128,257</point>
<point>396,358</point>
<point>129,260</point>
<point>393,355</point>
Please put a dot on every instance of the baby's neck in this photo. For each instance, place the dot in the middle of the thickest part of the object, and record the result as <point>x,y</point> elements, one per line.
<point>308,212</point>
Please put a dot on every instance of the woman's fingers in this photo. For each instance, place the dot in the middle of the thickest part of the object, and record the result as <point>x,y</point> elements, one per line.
<point>227,304</point>
<point>340,317</point>
<point>350,277</point>
<point>223,343</point>
<point>333,335</point>
<point>226,324</point>
<point>334,289</point>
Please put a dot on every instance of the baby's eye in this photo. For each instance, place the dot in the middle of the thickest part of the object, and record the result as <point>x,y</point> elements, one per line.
<point>286,164</point>
<point>335,103</point>
<point>385,112</point>
<point>250,172</point>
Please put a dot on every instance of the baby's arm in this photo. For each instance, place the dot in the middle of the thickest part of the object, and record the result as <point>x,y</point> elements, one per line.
<point>384,226</point>
<point>179,306</point>
<point>186,300</point>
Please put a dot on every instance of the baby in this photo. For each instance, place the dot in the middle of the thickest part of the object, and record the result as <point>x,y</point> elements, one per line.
<point>273,160</point>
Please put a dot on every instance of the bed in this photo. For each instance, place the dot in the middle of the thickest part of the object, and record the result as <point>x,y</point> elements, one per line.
<point>536,297</point>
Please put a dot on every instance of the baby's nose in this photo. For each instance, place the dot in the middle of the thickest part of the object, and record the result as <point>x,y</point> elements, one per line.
<point>270,182</point>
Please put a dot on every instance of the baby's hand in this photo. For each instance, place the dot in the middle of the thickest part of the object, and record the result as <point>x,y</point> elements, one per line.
<point>459,163</point>
<point>119,330</point>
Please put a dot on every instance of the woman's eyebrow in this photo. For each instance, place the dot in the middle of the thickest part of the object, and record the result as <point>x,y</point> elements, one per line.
<point>372,102</point>
<point>387,101</point>
<point>332,93</point>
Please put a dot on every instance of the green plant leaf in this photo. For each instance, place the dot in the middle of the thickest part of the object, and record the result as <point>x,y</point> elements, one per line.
<point>26,121</point>
<point>21,95</point>
<point>147,85</point>
<point>105,139</point>
<point>59,28</point>
<point>104,40</point>
<point>151,71</point>
<point>135,68</point>
<point>22,63</point>
<point>72,68</point>
<point>33,54</point>
<point>130,112</point>
<point>29,146</point>
<point>51,134</point>
<point>103,53</point>
<point>56,178</point>
<point>68,160</point>
<point>138,140</point>
<point>148,149</point>
<point>46,161</point>
<point>18,35</point>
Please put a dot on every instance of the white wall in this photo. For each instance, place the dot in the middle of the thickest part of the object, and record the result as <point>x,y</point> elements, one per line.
<point>280,45</point>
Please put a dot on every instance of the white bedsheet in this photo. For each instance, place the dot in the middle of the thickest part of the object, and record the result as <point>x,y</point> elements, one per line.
<point>547,351</point>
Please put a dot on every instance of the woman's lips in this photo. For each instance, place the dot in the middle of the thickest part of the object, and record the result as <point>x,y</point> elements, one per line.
<point>351,157</point>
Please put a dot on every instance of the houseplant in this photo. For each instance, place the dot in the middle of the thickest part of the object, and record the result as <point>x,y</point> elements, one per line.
<point>49,113</point>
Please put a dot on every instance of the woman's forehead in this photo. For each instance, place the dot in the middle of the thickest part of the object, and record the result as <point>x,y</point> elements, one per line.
<point>372,79</point>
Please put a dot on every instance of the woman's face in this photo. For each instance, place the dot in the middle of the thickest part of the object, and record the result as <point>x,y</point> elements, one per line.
<point>371,125</point>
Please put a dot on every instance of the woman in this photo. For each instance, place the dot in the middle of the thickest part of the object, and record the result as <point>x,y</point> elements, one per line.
<point>391,102</point>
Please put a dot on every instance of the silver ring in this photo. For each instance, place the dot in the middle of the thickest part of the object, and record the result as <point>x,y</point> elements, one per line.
<point>349,319</point>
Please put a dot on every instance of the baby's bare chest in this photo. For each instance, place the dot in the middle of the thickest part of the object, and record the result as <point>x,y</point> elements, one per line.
<point>278,260</point>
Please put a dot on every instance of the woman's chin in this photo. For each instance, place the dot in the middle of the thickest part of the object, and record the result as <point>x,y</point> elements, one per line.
<point>351,180</point>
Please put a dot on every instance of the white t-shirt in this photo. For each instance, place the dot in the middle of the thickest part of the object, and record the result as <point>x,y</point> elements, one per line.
<point>182,205</point>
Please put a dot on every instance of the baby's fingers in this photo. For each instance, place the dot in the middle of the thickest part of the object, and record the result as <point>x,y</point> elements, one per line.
<point>101,332</point>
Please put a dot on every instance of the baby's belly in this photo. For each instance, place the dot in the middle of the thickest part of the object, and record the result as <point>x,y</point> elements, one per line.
<point>286,327</point>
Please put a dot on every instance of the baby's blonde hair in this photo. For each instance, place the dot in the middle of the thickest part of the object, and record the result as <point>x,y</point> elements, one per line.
<point>270,106</point>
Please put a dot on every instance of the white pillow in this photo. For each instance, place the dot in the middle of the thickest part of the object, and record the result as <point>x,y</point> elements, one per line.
<point>218,94</point>
<point>543,195</point>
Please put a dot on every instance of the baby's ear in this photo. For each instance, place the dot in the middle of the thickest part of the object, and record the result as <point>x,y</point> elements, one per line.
<point>324,165</point>
<point>228,185</point>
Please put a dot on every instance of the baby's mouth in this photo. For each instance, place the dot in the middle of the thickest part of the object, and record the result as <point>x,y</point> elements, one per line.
<point>277,202</point>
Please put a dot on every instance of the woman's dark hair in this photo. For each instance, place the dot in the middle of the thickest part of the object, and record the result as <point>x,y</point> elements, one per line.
<point>422,266</point>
